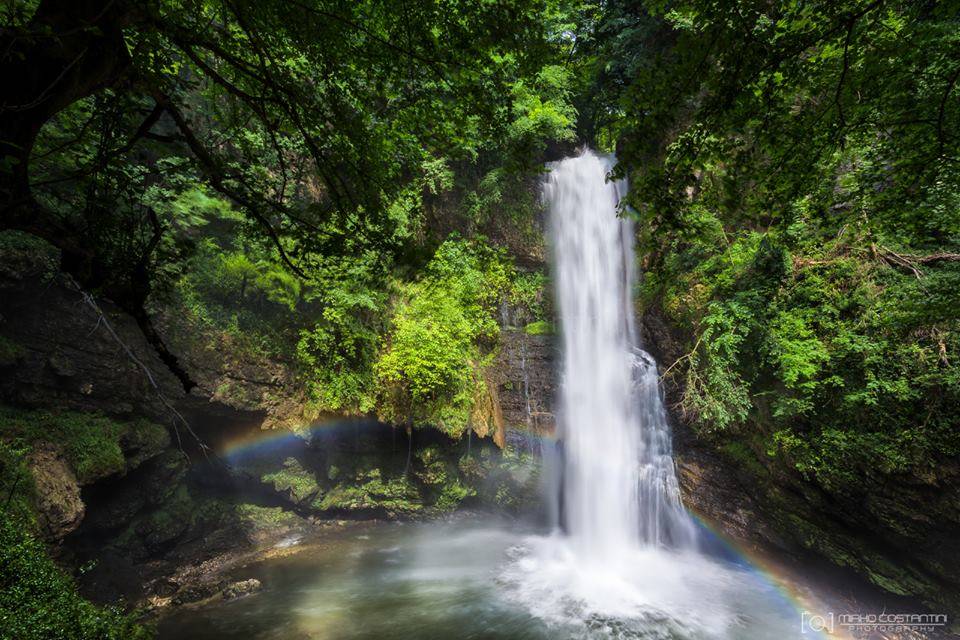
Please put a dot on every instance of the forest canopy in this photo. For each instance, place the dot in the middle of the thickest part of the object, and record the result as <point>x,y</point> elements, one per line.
<point>321,123</point>
<point>784,159</point>
<point>795,170</point>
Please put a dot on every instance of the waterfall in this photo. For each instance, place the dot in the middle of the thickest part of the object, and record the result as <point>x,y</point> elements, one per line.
<point>619,488</point>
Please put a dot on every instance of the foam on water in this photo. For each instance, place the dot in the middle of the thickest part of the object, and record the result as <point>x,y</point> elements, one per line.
<point>623,561</point>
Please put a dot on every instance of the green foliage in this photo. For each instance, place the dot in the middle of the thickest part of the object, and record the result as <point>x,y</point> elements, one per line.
<point>539,328</point>
<point>39,602</point>
<point>841,339</point>
<point>292,478</point>
<point>324,124</point>
<point>338,352</point>
<point>529,299</point>
<point>715,391</point>
<point>542,112</point>
<point>440,329</point>
<point>442,480</point>
<point>500,195</point>
<point>797,197</point>
<point>91,442</point>
<point>370,490</point>
<point>442,335</point>
<point>239,289</point>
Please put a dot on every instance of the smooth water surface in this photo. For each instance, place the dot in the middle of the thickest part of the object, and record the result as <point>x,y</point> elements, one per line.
<point>472,580</point>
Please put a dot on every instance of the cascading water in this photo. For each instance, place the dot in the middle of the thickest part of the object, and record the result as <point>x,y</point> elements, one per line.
<point>619,488</point>
<point>624,566</point>
<point>625,561</point>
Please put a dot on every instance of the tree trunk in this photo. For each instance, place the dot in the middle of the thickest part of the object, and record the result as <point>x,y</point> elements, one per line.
<point>69,50</point>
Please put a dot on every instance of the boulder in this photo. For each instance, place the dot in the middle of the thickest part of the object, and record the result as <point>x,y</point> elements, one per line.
<point>58,503</point>
<point>241,588</point>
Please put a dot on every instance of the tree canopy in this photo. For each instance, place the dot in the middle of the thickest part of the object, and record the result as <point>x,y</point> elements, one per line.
<point>321,121</point>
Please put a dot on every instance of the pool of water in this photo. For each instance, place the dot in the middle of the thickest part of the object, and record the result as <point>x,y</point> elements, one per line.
<point>481,580</point>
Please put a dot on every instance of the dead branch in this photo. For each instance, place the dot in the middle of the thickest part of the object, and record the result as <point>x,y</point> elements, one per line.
<point>177,416</point>
<point>681,358</point>
<point>911,262</point>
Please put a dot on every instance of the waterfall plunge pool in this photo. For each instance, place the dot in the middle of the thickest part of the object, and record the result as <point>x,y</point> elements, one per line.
<point>612,577</point>
<point>474,578</point>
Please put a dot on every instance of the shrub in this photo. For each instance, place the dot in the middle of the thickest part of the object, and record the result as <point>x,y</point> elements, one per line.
<point>39,602</point>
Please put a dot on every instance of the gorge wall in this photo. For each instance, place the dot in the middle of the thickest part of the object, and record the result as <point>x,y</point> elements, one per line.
<point>899,532</point>
<point>152,518</point>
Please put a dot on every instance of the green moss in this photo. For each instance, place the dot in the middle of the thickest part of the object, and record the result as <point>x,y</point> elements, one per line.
<point>40,602</point>
<point>396,496</point>
<point>16,485</point>
<point>293,478</point>
<point>10,351</point>
<point>539,328</point>
<point>743,457</point>
<point>442,480</point>
<point>91,442</point>
<point>433,468</point>
<point>452,494</point>
<point>265,517</point>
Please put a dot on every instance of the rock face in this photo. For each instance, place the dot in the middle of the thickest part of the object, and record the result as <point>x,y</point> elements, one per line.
<point>58,503</point>
<point>900,533</point>
<point>66,356</point>
<point>230,379</point>
<point>526,380</point>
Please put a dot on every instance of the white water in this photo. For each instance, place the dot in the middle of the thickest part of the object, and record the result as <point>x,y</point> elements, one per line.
<point>623,562</point>
<point>619,487</point>
<point>626,568</point>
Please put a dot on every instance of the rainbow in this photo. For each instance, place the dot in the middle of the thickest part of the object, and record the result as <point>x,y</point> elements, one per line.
<point>264,442</point>
<point>790,592</point>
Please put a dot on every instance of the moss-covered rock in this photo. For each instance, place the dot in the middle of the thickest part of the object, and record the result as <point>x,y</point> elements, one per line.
<point>56,492</point>
<point>24,256</point>
<point>292,480</point>
<point>48,456</point>
<point>370,492</point>
<point>163,527</point>
<point>94,445</point>
<point>444,484</point>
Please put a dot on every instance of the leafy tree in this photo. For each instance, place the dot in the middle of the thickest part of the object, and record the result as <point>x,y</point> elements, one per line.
<point>443,336</point>
<point>312,117</point>
<point>794,166</point>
